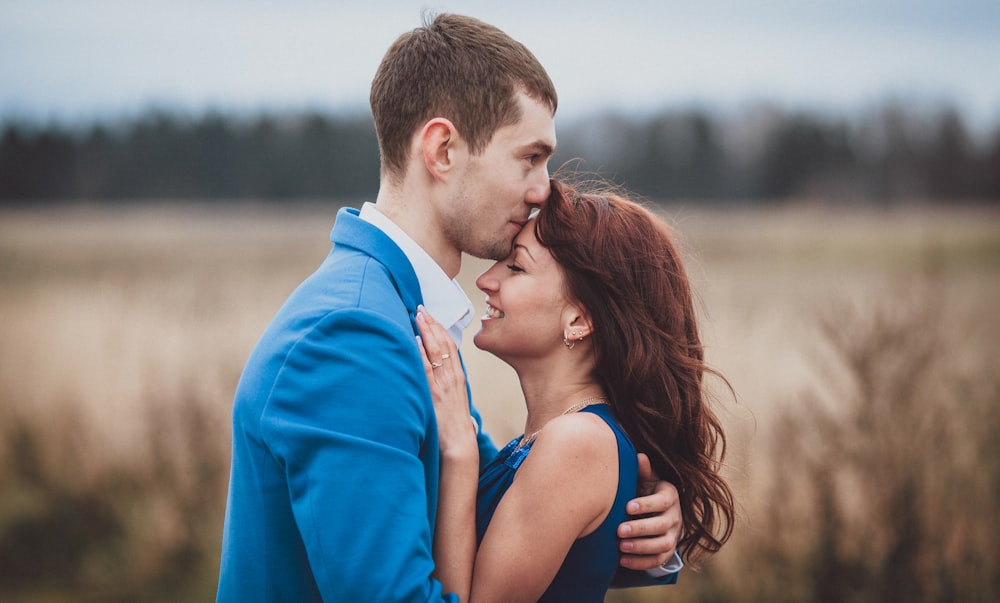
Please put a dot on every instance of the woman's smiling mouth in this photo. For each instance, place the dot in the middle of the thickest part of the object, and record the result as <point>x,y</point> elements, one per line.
<point>492,312</point>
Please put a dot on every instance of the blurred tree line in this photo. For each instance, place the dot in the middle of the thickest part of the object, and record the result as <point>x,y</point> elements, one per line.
<point>892,153</point>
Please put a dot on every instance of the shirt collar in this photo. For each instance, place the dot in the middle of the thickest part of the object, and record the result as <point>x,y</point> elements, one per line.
<point>443,296</point>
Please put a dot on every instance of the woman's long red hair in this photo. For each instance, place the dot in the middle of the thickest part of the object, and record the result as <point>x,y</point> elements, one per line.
<point>622,264</point>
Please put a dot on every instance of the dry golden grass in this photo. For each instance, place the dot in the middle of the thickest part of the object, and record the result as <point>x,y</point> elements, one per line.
<point>113,318</point>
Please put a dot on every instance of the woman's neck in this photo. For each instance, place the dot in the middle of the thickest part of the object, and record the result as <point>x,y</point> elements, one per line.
<point>550,393</point>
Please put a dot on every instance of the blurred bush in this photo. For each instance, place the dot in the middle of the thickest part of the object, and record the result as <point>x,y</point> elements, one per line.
<point>143,530</point>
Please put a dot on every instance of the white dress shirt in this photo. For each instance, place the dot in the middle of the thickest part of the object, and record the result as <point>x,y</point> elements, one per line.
<point>443,297</point>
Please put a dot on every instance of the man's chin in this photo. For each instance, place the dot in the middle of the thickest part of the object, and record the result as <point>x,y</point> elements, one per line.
<point>494,251</point>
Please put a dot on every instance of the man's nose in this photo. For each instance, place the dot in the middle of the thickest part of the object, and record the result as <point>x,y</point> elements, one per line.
<point>539,190</point>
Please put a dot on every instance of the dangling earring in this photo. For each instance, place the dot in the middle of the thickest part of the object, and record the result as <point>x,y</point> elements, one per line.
<point>569,345</point>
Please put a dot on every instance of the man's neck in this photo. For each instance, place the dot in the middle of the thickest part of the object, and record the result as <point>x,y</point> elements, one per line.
<point>442,295</point>
<point>414,214</point>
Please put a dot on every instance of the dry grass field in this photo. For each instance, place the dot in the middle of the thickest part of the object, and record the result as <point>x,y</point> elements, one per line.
<point>864,347</point>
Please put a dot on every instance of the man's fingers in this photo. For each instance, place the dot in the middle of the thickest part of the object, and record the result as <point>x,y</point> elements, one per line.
<point>640,507</point>
<point>657,501</point>
<point>658,545</point>
<point>643,562</point>
<point>643,553</point>
<point>645,468</point>
<point>655,526</point>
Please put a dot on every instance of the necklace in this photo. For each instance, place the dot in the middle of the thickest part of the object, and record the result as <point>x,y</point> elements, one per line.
<point>578,406</point>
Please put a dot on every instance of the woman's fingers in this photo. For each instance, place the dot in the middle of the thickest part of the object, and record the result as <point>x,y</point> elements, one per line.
<point>427,363</point>
<point>425,341</point>
<point>439,353</point>
<point>447,384</point>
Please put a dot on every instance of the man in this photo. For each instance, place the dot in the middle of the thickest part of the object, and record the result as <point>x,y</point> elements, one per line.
<point>334,478</point>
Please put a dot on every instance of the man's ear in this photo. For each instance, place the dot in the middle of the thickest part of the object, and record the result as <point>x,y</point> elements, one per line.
<point>439,142</point>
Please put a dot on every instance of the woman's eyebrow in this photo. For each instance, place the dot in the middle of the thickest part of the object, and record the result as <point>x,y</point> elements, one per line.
<point>519,246</point>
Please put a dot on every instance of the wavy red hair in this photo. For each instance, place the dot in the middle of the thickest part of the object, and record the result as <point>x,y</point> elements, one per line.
<point>622,264</point>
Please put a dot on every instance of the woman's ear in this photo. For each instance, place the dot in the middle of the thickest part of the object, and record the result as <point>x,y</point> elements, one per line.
<point>438,143</point>
<point>576,324</point>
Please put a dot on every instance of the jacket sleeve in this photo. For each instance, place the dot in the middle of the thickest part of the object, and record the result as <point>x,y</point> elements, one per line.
<point>351,422</point>
<point>626,578</point>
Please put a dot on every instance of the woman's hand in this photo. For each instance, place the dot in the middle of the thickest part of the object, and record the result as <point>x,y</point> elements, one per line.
<point>456,428</point>
<point>454,542</point>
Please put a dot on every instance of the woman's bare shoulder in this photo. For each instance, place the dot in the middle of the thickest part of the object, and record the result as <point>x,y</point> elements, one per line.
<point>577,442</point>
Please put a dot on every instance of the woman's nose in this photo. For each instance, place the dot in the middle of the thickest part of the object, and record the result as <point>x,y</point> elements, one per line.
<point>487,282</point>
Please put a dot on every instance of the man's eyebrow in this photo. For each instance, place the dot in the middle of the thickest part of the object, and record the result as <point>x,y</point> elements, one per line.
<point>542,148</point>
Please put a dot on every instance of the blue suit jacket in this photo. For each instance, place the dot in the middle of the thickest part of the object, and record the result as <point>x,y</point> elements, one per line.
<point>334,480</point>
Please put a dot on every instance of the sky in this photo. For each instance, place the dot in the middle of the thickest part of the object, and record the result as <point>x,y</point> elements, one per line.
<point>86,59</point>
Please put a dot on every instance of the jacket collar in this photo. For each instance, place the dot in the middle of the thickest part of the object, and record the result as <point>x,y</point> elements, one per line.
<point>350,230</point>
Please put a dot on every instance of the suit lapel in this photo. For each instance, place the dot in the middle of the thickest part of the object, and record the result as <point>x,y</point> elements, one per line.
<point>350,230</point>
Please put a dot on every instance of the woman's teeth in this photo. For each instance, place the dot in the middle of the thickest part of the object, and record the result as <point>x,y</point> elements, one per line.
<point>492,312</point>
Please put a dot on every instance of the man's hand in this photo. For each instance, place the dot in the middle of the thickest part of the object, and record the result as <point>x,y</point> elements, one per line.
<point>650,540</point>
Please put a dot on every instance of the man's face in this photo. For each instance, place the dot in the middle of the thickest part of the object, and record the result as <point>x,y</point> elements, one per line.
<point>503,184</point>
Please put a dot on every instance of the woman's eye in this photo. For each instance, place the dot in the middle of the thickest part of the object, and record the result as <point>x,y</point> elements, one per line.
<point>514,268</point>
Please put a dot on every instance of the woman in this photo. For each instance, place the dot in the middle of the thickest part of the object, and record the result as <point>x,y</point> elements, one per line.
<point>594,312</point>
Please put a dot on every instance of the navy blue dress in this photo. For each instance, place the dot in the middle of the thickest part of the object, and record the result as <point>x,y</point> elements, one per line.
<point>592,561</point>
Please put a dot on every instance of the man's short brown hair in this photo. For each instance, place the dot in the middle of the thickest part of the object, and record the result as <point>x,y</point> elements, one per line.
<point>458,68</point>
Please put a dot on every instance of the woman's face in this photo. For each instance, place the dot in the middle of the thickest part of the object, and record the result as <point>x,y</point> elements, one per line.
<point>526,304</point>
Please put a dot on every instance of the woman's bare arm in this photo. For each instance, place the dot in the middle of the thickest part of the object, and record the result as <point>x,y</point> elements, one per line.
<point>562,491</point>
<point>454,543</point>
